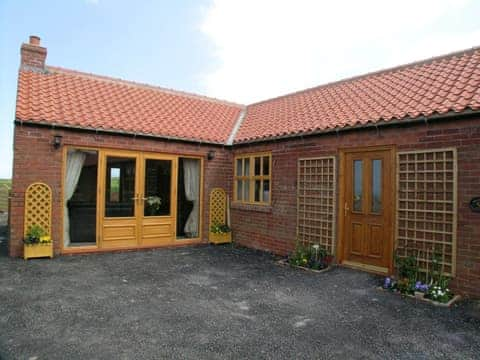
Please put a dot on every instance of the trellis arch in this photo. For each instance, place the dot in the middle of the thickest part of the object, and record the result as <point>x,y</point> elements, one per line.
<point>38,207</point>
<point>218,202</point>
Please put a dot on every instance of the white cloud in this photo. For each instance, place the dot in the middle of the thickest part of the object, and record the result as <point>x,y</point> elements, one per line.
<point>265,48</point>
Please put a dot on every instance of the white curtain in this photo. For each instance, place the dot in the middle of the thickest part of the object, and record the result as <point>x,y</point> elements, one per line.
<point>75,161</point>
<point>191,171</point>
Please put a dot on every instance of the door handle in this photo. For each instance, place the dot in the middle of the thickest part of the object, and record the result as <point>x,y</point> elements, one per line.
<point>346,208</point>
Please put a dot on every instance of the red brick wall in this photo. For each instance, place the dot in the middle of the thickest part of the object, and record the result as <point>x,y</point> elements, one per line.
<point>35,159</point>
<point>269,228</point>
<point>274,228</point>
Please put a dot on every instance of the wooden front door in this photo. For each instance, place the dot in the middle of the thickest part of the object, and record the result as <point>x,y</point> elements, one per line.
<point>139,199</point>
<point>368,209</point>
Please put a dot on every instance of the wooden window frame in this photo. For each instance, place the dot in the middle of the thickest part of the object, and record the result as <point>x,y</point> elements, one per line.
<point>251,178</point>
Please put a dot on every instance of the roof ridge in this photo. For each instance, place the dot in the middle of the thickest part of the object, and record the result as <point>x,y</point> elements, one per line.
<point>58,69</point>
<point>375,72</point>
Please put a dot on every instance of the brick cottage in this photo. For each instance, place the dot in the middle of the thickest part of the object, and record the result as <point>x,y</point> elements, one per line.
<point>381,164</point>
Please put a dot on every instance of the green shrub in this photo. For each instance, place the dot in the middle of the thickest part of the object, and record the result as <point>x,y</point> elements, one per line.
<point>34,235</point>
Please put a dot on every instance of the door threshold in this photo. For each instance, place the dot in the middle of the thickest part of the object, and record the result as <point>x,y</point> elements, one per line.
<point>366,267</point>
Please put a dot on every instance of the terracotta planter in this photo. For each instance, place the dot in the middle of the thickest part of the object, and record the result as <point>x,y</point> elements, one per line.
<point>216,238</point>
<point>38,251</point>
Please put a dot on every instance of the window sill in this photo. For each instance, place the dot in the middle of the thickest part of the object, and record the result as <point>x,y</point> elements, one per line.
<point>252,207</point>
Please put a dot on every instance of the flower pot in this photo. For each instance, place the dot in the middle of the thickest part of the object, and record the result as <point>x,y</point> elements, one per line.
<point>38,251</point>
<point>220,238</point>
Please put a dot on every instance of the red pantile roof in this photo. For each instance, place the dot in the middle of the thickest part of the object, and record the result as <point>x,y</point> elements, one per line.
<point>441,85</point>
<point>69,98</point>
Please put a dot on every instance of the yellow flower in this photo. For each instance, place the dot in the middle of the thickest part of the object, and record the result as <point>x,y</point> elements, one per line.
<point>45,238</point>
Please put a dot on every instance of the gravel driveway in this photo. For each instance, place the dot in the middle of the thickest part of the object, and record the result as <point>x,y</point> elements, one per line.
<point>214,303</point>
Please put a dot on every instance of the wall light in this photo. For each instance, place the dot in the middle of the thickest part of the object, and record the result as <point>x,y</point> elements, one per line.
<point>211,155</point>
<point>57,141</point>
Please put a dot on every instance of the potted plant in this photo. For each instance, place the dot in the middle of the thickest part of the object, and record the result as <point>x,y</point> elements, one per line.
<point>153,205</point>
<point>37,243</point>
<point>220,234</point>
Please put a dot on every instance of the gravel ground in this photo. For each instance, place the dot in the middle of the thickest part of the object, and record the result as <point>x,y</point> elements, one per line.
<point>215,303</point>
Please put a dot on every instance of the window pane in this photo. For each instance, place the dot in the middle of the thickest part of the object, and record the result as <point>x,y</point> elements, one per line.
<point>239,167</point>
<point>239,190</point>
<point>376,186</point>
<point>266,165</point>
<point>246,190</point>
<point>258,188</point>
<point>158,175</point>
<point>246,167</point>
<point>120,187</point>
<point>114,184</point>
<point>266,190</point>
<point>357,184</point>
<point>257,165</point>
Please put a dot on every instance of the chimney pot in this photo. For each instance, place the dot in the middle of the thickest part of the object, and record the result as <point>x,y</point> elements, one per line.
<point>34,40</point>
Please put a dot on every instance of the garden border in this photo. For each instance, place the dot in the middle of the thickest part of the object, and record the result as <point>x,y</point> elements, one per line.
<point>284,262</point>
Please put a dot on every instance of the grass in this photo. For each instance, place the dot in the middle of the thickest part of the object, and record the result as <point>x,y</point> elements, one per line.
<point>5,185</point>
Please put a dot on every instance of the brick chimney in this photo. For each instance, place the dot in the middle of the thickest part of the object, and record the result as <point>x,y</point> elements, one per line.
<point>33,55</point>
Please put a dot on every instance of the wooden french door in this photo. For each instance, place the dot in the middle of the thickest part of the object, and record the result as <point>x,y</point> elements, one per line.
<point>368,208</point>
<point>158,200</point>
<point>138,203</point>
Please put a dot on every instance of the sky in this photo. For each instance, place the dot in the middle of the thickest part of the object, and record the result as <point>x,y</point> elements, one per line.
<point>243,51</point>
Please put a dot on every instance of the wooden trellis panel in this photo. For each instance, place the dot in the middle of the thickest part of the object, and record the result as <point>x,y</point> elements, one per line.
<point>427,207</point>
<point>316,201</point>
<point>218,202</point>
<point>38,207</point>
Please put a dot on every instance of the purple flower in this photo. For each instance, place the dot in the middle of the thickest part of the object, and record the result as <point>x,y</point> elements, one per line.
<point>387,283</point>
<point>419,286</point>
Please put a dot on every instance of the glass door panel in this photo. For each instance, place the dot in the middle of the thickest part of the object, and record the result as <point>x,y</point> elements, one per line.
<point>120,187</point>
<point>357,185</point>
<point>157,192</point>
<point>376,206</point>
